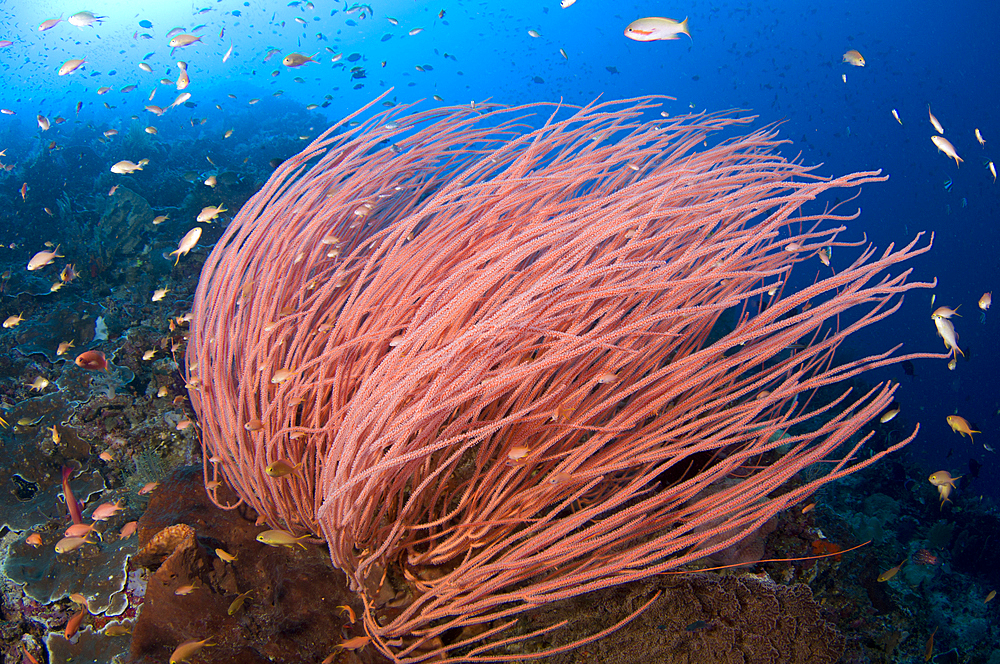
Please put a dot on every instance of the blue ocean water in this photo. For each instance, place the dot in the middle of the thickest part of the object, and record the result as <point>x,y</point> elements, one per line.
<point>780,60</point>
<point>777,59</point>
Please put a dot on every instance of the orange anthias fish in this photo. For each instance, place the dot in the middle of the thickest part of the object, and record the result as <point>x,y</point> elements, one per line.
<point>947,332</point>
<point>938,127</point>
<point>959,425</point>
<point>855,58</point>
<point>986,300</point>
<point>946,312</point>
<point>655,28</point>
<point>889,573</point>
<point>943,477</point>
<point>944,482</point>
<point>945,146</point>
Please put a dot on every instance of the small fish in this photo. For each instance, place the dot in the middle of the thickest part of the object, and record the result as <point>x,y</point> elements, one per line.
<point>993,170</point>
<point>92,360</point>
<point>43,123</point>
<point>979,137</point>
<point>187,243</point>
<point>238,602</point>
<point>946,312</point>
<point>948,182</point>
<point>13,321</point>
<point>888,415</point>
<point>79,530</point>
<point>188,649</point>
<point>35,540</point>
<point>39,384</point>
<point>74,624</point>
<point>43,258</point>
<point>107,510</point>
<point>282,468</point>
<point>186,589</point>
<point>148,355</point>
<point>68,274</point>
<point>929,649</point>
<point>183,40</point>
<point>183,80</point>
<point>825,254</point>
<point>986,300</point>
<point>84,19</point>
<point>655,28</point>
<point>943,477</point>
<point>566,3</point>
<point>934,121</point>
<point>415,31</point>
<point>67,544</point>
<point>149,487</point>
<point>293,60</point>
<point>225,555</point>
<point>228,53</point>
<point>947,332</point>
<point>49,24</point>
<point>117,629</point>
<point>989,598</point>
<point>895,114</point>
<point>124,167</point>
<point>128,530</point>
<point>210,212</point>
<point>889,573</point>
<point>945,146</point>
<point>281,538</point>
<point>853,57</point>
<point>71,66</point>
<point>960,426</point>
<point>158,295</point>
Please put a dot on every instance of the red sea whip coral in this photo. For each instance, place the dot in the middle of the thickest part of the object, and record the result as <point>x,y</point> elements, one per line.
<point>496,349</point>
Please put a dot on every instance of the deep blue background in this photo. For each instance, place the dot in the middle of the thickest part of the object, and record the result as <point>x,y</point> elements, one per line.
<point>780,59</point>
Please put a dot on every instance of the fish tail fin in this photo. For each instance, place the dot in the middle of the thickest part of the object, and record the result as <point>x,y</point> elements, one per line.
<point>683,27</point>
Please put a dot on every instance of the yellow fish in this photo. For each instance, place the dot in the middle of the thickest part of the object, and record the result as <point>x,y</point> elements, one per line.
<point>889,573</point>
<point>960,426</point>
<point>281,538</point>
<point>855,58</point>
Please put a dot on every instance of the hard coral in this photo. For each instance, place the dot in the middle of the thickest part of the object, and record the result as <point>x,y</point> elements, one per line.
<point>707,619</point>
<point>294,599</point>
